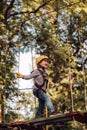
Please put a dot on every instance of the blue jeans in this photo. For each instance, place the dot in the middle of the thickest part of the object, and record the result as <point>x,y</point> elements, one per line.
<point>43,100</point>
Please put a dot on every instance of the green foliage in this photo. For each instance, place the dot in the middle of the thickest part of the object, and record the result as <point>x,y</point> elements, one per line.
<point>57,29</point>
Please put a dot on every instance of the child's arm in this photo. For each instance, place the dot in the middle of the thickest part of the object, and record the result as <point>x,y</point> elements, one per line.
<point>33,74</point>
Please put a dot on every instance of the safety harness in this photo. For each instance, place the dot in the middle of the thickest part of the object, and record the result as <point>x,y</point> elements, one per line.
<point>45,81</point>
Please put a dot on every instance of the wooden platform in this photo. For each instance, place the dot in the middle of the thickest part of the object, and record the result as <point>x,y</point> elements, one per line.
<point>38,123</point>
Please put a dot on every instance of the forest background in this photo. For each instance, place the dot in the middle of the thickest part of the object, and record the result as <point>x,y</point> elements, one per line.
<point>56,28</point>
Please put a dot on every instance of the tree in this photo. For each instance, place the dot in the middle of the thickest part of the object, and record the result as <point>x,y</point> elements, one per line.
<point>57,29</point>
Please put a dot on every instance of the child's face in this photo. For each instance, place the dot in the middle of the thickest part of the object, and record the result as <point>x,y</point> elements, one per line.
<point>44,63</point>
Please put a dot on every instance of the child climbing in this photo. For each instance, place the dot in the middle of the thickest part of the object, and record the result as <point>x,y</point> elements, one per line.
<point>41,82</point>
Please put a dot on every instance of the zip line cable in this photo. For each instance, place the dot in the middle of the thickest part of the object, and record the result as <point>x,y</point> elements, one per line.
<point>32,60</point>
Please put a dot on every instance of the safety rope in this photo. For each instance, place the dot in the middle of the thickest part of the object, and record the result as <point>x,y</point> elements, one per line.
<point>18,80</point>
<point>32,61</point>
<point>70,81</point>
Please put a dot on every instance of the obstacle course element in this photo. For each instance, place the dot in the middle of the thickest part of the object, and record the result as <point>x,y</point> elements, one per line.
<point>36,124</point>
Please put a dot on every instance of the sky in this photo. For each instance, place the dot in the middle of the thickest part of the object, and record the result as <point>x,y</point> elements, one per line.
<point>25,67</point>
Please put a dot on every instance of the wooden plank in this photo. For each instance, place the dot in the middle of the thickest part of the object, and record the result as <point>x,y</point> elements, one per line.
<point>78,116</point>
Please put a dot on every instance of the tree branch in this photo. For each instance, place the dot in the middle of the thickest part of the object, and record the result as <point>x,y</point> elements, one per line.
<point>34,11</point>
<point>8,11</point>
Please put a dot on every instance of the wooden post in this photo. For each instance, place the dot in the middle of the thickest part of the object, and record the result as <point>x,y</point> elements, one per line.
<point>0,113</point>
<point>46,116</point>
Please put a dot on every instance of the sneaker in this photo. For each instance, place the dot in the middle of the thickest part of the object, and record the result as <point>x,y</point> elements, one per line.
<point>40,116</point>
<point>54,114</point>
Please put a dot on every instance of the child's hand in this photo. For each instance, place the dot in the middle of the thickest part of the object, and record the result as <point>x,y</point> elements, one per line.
<point>52,84</point>
<point>19,75</point>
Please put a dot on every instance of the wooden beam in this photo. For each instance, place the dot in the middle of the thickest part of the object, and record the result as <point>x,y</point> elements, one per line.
<point>38,124</point>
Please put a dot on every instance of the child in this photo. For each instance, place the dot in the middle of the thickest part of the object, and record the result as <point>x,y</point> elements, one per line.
<point>40,77</point>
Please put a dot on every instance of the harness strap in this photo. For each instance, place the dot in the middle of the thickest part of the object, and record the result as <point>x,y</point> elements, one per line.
<point>45,81</point>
